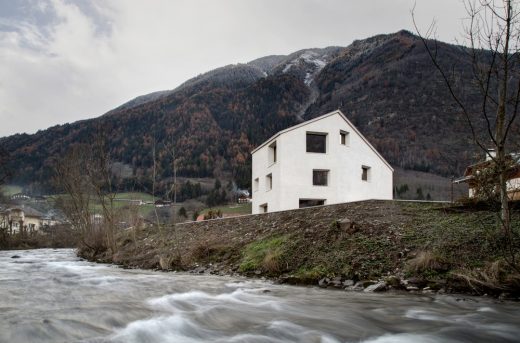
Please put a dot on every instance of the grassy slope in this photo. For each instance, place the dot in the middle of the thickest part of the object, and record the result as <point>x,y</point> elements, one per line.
<point>433,241</point>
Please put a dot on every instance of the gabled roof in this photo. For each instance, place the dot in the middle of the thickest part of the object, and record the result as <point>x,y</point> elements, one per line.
<point>475,167</point>
<point>28,211</point>
<point>338,112</point>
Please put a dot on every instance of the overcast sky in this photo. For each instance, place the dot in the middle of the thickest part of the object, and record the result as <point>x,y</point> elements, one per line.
<point>64,60</point>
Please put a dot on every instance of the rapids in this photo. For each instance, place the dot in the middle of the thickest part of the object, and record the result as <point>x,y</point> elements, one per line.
<point>53,296</point>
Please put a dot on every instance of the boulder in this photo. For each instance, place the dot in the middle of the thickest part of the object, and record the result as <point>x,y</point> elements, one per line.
<point>348,283</point>
<point>15,256</point>
<point>324,282</point>
<point>417,282</point>
<point>378,287</point>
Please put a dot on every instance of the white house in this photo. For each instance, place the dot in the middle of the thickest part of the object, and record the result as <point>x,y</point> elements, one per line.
<point>19,219</point>
<point>325,160</point>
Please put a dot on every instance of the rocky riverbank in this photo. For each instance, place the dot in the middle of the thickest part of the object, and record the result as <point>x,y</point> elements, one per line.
<point>369,246</point>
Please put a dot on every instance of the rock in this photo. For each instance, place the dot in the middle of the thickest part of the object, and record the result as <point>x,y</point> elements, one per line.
<point>412,288</point>
<point>378,287</point>
<point>503,296</point>
<point>336,282</point>
<point>428,290</point>
<point>436,284</point>
<point>266,291</point>
<point>348,283</point>
<point>258,272</point>
<point>290,279</point>
<point>417,282</point>
<point>15,256</point>
<point>394,282</point>
<point>358,286</point>
<point>348,225</point>
<point>367,283</point>
<point>324,282</point>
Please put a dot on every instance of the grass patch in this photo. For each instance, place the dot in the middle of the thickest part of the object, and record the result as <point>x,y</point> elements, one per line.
<point>231,209</point>
<point>135,196</point>
<point>265,255</point>
<point>9,190</point>
<point>307,275</point>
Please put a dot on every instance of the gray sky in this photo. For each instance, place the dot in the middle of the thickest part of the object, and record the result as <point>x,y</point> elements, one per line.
<point>64,60</point>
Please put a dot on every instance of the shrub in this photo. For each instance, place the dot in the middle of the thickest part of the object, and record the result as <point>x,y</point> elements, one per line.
<point>427,261</point>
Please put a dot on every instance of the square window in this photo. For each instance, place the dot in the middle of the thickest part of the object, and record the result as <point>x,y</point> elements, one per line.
<point>317,142</point>
<point>365,173</point>
<point>269,182</point>
<point>320,177</point>
<point>344,138</point>
<point>263,208</point>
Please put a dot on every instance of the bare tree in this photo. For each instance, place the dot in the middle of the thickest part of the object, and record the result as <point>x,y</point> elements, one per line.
<point>70,178</point>
<point>100,176</point>
<point>84,175</point>
<point>492,34</point>
<point>154,180</point>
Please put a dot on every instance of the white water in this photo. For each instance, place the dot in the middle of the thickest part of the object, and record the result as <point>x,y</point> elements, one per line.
<point>52,296</point>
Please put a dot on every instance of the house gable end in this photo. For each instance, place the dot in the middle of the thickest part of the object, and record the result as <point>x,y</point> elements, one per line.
<point>336,112</point>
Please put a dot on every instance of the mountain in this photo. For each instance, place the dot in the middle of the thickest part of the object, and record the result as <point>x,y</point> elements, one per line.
<point>385,84</point>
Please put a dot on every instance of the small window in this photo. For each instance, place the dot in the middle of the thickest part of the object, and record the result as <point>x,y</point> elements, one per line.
<point>269,182</point>
<point>263,208</point>
<point>320,177</point>
<point>317,142</point>
<point>272,153</point>
<point>365,173</point>
<point>311,202</point>
<point>344,138</point>
<point>256,184</point>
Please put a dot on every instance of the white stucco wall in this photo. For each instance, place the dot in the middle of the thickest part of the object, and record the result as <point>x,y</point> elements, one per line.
<point>292,172</point>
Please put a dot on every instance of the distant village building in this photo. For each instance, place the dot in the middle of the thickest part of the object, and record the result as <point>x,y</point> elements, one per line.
<point>473,172</point>
<point>20,196</point>
<point>21,219</point>
<point>162,203</point>
<point>243,196</point>
<point>322,161</point>
<point>243,199</point>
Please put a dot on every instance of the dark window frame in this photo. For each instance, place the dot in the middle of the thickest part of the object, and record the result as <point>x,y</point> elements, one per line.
<point>316,142</point>
<point>316,178</point>
<point>269,182</point>
<point>344,138</point>
<point>304,203</point>
<point>273,153</point>
<point>365,173</point>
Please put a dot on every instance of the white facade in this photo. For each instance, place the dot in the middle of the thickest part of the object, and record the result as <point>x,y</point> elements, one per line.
<point>285,174</point>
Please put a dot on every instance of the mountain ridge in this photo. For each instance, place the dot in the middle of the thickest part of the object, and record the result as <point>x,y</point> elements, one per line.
<point>385,84</point>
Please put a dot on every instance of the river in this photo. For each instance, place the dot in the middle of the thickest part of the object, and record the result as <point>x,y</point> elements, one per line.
<point>53,296</point>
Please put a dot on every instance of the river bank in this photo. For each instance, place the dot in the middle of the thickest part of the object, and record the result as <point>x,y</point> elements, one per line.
<point>51,295</point>
<point>369,245</point>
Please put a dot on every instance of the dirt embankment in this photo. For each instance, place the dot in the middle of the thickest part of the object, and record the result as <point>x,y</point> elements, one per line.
<point>369,245</point>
